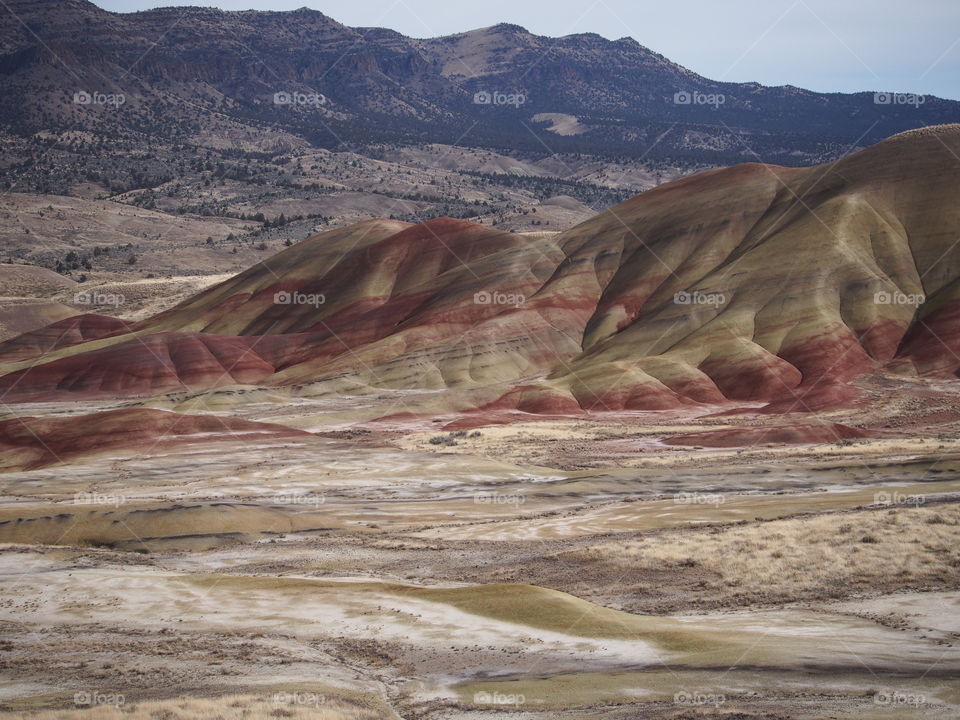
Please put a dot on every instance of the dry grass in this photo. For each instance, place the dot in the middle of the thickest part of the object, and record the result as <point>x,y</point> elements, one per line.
<point>291,706</point>
<point>819,557</point>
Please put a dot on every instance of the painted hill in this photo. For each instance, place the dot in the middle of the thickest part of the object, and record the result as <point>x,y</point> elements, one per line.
<point>63,333</point>
<point>754,285</point>
<point>27,443</point>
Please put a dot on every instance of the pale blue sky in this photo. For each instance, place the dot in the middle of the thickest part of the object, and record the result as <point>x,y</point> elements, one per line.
<point>826,45</point>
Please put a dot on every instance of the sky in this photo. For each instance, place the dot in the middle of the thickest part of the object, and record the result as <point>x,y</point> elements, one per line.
<point>825,45</point>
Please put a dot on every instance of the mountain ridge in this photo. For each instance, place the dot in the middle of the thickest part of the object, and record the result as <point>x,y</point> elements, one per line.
<point>190,64</point>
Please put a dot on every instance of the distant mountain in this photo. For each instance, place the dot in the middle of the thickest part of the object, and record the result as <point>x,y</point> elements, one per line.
<point>207,77</point>
<point>752,286</point>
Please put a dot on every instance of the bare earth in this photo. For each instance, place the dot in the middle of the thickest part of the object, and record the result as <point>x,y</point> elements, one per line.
<point>528,571</point>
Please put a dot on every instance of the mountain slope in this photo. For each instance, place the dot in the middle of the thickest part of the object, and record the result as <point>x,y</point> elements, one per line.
<point>788,278</point>
<point>207,77</point>
<point>750,285</point>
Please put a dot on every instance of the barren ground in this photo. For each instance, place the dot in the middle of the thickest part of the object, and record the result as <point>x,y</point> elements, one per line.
<point>528,571</point>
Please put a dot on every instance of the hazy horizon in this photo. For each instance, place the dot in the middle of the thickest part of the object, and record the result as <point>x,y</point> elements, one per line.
<point>813,44</point>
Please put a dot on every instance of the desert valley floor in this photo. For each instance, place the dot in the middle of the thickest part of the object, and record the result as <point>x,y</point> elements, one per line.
<point>567,568</point>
